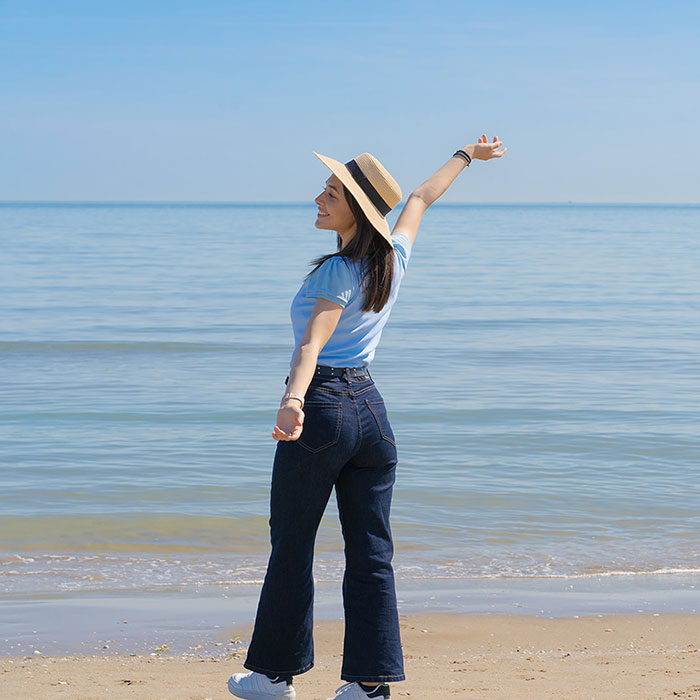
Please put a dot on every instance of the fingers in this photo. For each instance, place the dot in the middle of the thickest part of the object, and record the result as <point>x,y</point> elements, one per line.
<point>279,434</point>
<point>494,144</point>
<point>489,149</point>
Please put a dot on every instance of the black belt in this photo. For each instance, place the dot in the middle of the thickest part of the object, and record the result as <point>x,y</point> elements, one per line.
<point>326,372</point>
<point>331,372</point>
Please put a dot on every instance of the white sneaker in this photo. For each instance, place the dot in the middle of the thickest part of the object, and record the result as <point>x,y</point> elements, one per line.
<point>354,691</point>
<point>257,686</point>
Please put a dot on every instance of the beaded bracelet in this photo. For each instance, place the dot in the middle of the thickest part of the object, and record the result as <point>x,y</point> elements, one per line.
<point>463,155</point>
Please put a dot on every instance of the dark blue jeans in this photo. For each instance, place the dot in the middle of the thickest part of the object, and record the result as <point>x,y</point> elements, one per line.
<point>347,442</point>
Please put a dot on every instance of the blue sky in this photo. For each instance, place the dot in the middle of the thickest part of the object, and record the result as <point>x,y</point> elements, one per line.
<point>225,101</point>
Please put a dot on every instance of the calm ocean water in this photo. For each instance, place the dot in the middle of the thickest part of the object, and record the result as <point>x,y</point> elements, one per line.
<point>541,370</point>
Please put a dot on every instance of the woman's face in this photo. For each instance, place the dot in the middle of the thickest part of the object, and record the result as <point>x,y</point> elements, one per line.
<point>333,209</point>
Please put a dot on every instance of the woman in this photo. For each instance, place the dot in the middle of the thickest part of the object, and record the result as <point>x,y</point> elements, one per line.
<point>332,431</point>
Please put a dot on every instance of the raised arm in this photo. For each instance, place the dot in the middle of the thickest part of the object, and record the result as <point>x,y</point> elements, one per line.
<point>436,185</point>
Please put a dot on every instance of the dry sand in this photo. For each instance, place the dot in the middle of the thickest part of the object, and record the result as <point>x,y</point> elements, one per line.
<point>612,657</point>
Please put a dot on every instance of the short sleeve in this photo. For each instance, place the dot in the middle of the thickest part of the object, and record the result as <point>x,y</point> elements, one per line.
<point>334,281</point>
<point>402,246</point>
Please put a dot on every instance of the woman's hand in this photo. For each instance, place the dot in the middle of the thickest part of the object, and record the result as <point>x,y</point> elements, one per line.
<point>436,185</point>
<point>290,421</point>
<point>485,150</point>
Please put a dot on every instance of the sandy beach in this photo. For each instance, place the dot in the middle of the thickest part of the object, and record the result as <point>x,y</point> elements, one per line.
<point>499,657</point>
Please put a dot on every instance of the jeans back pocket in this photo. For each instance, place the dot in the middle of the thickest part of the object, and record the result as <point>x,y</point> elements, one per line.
<point>322,422</point>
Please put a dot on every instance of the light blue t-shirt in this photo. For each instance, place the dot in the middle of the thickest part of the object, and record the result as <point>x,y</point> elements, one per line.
<point>358,332</point>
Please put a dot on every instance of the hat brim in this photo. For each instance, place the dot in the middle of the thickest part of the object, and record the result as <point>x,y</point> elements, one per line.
<point>373,214</point>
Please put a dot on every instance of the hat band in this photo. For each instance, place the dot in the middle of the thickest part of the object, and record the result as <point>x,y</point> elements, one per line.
<point>367,187</point>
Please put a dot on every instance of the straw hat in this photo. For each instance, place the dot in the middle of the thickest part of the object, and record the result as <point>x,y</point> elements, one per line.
<point>369,182</point>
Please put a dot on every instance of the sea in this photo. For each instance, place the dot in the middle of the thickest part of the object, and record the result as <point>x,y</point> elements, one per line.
<point>541,370</point>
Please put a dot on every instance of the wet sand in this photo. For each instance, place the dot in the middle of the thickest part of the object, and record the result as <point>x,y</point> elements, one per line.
<point>499,657</point>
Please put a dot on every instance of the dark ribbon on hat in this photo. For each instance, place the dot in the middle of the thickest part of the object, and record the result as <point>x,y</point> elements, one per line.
<point>367,187</point>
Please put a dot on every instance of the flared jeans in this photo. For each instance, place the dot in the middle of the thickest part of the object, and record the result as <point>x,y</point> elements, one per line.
<point>346,443</point>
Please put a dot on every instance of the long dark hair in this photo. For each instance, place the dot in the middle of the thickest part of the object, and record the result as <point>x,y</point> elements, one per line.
<point>375,255</point>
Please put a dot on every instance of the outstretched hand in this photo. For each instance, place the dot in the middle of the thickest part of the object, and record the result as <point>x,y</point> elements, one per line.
<point>483,150</point>
<point>290,422</point>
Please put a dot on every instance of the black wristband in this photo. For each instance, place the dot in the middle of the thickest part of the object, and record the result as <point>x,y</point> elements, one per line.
<point>463,155</point>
